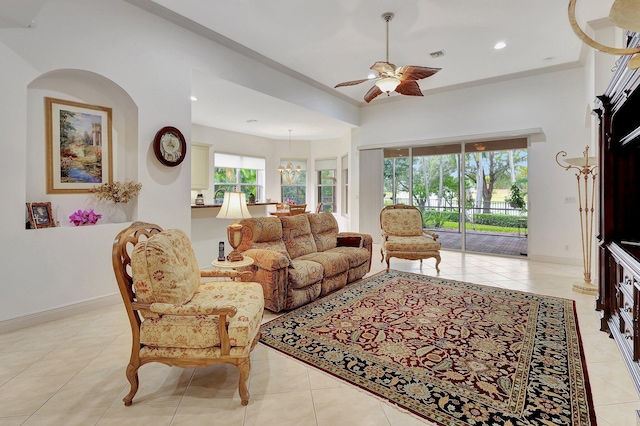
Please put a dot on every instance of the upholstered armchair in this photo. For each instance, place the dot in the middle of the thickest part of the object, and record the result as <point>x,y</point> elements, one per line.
<point>176,319</point>
<point>403,236</point>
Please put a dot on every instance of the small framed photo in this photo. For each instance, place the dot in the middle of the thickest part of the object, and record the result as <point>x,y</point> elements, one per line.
<point>40,215</point>
<point>79,151</point>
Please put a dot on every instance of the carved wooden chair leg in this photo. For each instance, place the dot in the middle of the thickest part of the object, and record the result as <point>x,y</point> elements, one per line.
<point>381,254</point>
<point>132,376</point>
<point>437,263</point>
<point>245,368</point>
<point>388,261</point>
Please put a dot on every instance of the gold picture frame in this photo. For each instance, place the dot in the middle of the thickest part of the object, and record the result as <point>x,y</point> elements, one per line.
<point>79,146</point>
<point>40,215</point>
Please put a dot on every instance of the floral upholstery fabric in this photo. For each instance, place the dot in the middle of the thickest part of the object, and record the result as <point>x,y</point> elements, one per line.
<point>187,329</point>
<point>412,244</point>
<point>165,269</point>
<point>401,222</point>
<point>355,256</point>
<point>166,275</point>
<point>324,229</point>
<point>191,353</point>
<point>263,233</point>
<point>402,235</point>
<point>297,237</point>
<point>305,273</point>
<point>268,259</point>
<point>332,263</point>
<point>274,286</point>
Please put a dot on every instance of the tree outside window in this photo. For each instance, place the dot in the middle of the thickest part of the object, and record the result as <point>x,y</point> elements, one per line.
<point>295,192</point>
<point>239,180</point>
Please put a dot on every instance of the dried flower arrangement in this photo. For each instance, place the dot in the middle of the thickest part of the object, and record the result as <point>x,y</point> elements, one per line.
<point>83,217</point>
<point>117,192</point>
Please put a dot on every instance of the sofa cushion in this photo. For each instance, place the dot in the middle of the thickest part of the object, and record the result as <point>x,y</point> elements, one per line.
<point>356,256</point>
<point>297,237</point>
<point>263,233</point>
<point>165,269</point>
<point>305,273</point>
<point>332,263</point>
<point>201,331</point>
<point>324,229</point>
<point>403,222</point>
<point>411,244</point>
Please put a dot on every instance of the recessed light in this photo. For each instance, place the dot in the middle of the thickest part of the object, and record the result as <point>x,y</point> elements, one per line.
<point>193,98</point>
<point>252,121</point>
<point>500,45</point>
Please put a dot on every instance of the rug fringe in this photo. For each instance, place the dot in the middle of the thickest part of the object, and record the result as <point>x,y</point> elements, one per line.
<point>358,388</point>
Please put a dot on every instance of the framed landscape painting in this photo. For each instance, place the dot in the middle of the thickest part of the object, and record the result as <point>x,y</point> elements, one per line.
<point>79,151</point>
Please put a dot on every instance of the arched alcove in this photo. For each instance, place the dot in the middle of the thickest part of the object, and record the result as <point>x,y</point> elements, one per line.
<point>92,89</point>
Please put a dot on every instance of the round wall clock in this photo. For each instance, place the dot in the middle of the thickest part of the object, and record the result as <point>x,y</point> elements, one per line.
<point>169,146</point>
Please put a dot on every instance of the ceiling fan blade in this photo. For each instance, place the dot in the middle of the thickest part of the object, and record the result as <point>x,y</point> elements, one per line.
<point>383,67</point>
<point>410,88</point>
<point>351,83</point>
<point>372,93</point>
<point>411,72</point>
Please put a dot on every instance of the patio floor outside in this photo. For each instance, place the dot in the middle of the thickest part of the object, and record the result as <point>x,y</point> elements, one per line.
<point>504,244</point>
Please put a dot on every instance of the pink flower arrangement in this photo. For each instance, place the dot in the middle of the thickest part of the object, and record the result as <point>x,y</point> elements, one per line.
<point>290,202</point>
<point>82,217</point>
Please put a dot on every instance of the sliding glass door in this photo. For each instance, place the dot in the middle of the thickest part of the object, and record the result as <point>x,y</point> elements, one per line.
<point>496,182</point>
<point>472,195</point>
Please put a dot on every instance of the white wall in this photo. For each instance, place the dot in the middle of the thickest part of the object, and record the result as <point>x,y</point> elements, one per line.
<point>553,102</point>
<point>152,62</point>
<point>330,149</point>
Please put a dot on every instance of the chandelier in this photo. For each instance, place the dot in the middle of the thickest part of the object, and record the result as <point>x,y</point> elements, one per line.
<point>288,174</point>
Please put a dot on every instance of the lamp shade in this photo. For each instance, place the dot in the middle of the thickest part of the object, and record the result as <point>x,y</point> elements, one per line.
<point>234,206</point>
<point>582,161</point>
<point>388,84</point>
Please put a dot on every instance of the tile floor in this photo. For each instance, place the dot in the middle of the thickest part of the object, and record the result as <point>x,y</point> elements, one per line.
<point>71,372</point>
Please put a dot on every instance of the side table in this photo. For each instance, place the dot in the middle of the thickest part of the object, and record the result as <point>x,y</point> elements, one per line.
<point>223,264</point>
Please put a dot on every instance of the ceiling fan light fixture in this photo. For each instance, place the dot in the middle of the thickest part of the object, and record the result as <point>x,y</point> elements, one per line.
<point>388,84</point>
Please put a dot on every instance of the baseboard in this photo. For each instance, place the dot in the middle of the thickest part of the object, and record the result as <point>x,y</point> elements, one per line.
<point>38,318</point>
<point>555,259</point>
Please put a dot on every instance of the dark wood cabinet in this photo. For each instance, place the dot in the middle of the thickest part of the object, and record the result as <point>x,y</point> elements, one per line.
<point>619,211</point>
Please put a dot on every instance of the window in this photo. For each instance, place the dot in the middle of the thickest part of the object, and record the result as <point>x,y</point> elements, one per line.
<point>345,183</point>
<point>326,170</point>
<point>295,192</point>
<point>238,173</point>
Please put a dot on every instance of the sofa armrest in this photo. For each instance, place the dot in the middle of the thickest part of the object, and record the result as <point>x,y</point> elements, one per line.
<point>351,241</point>
<point>430,234</point>
<point>268,259</point>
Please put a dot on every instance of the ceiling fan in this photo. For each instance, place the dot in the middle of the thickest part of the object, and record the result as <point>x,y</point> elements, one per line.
<point>403,80</point>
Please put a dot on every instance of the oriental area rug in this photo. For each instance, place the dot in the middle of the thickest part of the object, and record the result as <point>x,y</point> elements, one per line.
<point>450,352</point>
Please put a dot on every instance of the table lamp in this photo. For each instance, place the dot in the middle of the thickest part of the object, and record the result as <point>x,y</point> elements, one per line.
<point>234,206</point>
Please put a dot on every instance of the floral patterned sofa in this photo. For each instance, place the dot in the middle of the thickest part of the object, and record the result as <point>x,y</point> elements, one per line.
<point>300,258</point>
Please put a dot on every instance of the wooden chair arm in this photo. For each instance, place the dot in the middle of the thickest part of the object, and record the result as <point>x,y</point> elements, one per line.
<point>243,276</point>
<point>192,310</point>
<point>222,311</point>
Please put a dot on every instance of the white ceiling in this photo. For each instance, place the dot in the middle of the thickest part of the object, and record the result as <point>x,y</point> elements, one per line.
<point>331,41</point>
